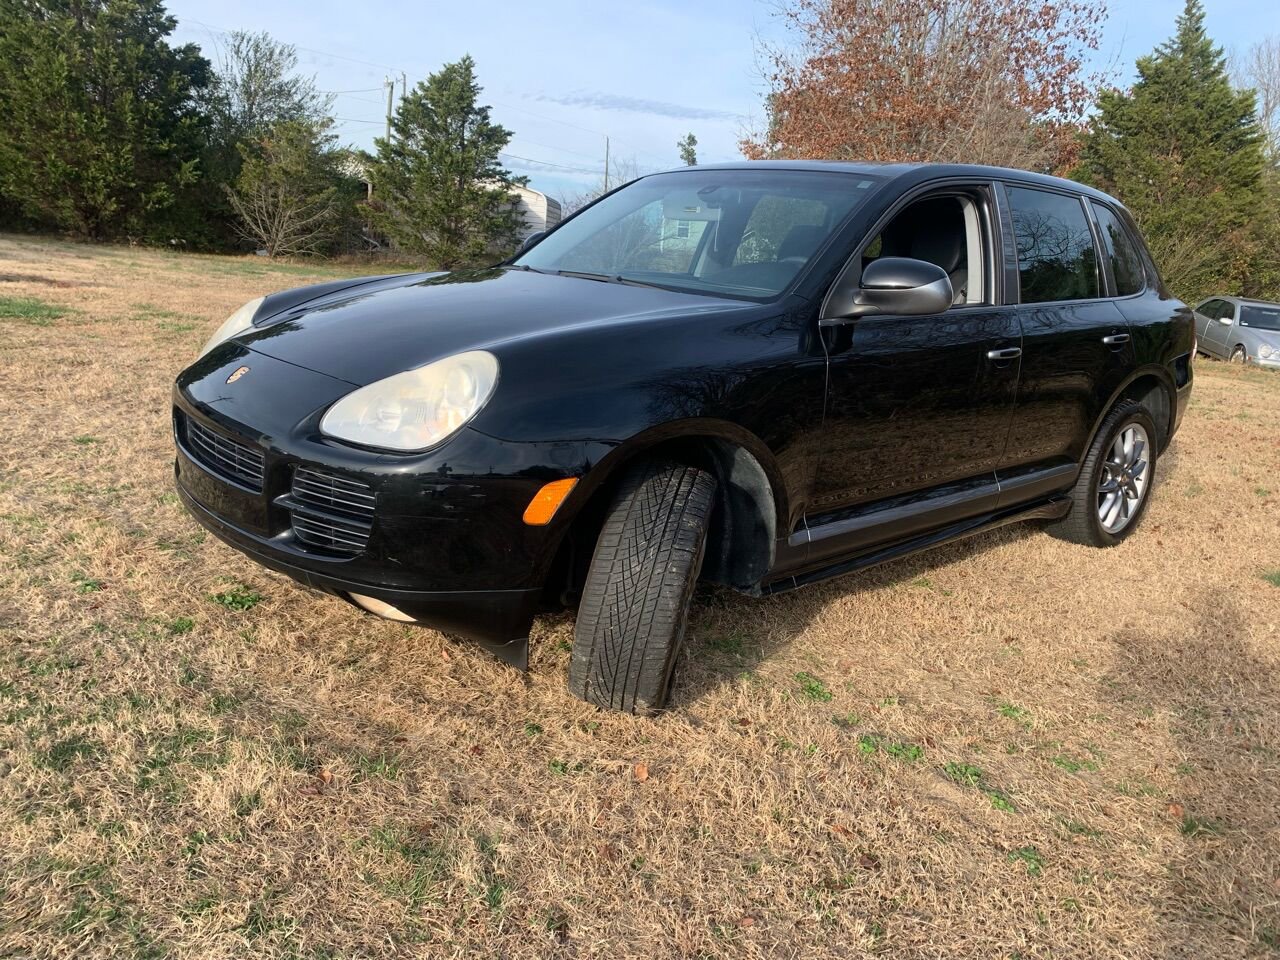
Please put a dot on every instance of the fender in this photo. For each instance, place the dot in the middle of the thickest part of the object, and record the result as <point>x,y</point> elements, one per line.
<point>1150,369</point>
<point>618,456</point>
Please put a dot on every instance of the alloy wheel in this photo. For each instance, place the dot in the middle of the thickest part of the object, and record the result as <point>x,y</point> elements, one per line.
<point>1125,474</point>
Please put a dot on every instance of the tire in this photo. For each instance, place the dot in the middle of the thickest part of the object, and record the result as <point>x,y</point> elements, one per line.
<point>635,602</point>
<point>1238,355</point>
<point>1084,523</point>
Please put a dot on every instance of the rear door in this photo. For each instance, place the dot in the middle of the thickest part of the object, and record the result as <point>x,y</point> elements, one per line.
<point>1206,315</point>
<point>1076,349</point>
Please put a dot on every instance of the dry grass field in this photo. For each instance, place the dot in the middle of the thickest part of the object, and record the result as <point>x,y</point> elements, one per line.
<point>1012,747</point>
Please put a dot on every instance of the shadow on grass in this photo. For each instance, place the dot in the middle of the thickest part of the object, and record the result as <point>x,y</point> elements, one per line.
<point>1218,703</point>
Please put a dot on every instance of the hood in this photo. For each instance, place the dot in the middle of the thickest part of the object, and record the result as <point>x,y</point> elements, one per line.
<point>364,333</point>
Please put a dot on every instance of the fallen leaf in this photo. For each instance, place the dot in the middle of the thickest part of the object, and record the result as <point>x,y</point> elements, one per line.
<point>605,852</point>
<point>744,722</point>
<point>641,772</point>
<point>1175,811</point>
<point>309,790</point>
<point>747,922</point>
<point>476,750</point>
<point>869,861</point>
<point>841,829</point>
<point>324,776</point>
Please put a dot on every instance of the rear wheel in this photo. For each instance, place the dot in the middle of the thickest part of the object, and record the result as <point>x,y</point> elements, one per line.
<point>635,602</point>
<point>1110,496</point>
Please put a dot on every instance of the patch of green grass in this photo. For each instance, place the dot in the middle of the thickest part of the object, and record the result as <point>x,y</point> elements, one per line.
<point>732,644</point>
<point>1030,856</point>
<point>812,688</point>
<point>420,863</point>
<point>381,766</point>
<point>847,721</point>
<point>1078,829</point>
<point>180,625</point>
<point>999,800</point>
<point>62,754</point>
<point>85,583</point>
<point>1199,826</point>
<point>238,597</point>
<point>495,886</point>
<point>562,768</point>
<point>532,729</point>
<point>29,310</point>
<point>910,752</point>
<point>84,440</point>
<point>1012,711</point>
<point>244,804</point>
<point>964,774</point>
<point>1272,576</point>
<point>1071,764</point>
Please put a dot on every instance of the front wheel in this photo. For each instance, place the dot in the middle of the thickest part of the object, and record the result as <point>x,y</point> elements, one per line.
<point>1110,496</point>
<point>1238,355</point>
<point>635,602</point>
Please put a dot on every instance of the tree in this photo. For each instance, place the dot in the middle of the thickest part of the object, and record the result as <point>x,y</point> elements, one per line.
<point>287,195</point>
<point>1259,70</point>
<point>688,147</point>
<point>1183,150</point>
<point>980,81</point>
<point>101,131</point>
<point>439,186</point>
<point>256,86</point>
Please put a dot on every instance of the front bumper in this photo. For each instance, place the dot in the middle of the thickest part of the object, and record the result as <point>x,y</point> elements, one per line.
<point>445,540</point>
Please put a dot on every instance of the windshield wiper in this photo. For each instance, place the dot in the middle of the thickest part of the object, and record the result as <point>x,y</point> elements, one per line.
<point>607,278</point>
<point>528,269</point>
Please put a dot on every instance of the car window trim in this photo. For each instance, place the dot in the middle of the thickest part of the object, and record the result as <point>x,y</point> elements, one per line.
<point>1083,200</point>
<point>993,250</point>
<point>1113,288</point>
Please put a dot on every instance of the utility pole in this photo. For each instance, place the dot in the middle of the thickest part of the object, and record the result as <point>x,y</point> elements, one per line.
<point>606,164</point>
<point>404,85</point>
<point>391,89</point>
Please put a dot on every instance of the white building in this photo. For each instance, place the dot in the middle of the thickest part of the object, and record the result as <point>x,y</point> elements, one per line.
<point>540,212</point>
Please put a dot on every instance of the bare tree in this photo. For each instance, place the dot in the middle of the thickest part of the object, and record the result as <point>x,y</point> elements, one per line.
<point>285,196</point>
<point>1259,68</point>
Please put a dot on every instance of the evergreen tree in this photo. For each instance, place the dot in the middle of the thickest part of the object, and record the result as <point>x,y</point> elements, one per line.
<point>688,147</point>
<point>1184,151</point>
<point>439,188</point>
<point>100,133</point>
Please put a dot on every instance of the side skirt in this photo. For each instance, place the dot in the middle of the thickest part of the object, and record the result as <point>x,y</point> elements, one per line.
<point>1053,509</point>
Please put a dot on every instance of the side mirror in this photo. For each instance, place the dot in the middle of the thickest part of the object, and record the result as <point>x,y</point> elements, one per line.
<point>892,285</point>
<point>530,240</point>
<point>1225,321</point>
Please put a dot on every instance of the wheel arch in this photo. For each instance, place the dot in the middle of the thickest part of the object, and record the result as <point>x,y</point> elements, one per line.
<point>750,503</point>
<point>1152,387</point>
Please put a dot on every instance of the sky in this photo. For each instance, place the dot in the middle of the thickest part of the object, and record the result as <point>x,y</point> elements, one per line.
<point>563,75</point>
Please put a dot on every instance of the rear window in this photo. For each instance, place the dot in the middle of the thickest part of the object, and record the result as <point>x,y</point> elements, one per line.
<point>1120,251</point>
<point>1056,256</point>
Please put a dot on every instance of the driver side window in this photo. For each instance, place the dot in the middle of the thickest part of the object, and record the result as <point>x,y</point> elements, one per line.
<point>945,230</point>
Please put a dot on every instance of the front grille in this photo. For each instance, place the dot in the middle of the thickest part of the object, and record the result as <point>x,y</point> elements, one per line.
<point>225,457</point>
<point>331,512</point>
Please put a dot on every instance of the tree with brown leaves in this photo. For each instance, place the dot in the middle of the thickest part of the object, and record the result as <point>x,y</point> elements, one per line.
<point>973,81</point>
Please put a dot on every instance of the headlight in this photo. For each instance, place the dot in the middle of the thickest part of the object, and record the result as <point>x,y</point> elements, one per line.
<point>238,322</point>
<point>418,408</point>
<point>1266,351</point>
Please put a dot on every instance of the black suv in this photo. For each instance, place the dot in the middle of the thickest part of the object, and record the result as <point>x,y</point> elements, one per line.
<point>758,374</point>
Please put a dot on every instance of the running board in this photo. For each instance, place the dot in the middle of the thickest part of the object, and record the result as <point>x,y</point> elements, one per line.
<point>1054,509</point>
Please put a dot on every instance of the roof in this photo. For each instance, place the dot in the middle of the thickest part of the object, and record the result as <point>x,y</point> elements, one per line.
<point>1235,299</point>
<point>910,173</point>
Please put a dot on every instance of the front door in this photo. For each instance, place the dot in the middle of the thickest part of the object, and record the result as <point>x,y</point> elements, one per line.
<point>918,407</point>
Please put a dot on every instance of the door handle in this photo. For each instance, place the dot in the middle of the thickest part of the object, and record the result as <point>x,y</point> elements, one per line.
<point>1008,353</point>
<point>1116,339</point>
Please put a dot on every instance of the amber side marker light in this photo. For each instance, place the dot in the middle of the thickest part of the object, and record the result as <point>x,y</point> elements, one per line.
<point>547,501</point>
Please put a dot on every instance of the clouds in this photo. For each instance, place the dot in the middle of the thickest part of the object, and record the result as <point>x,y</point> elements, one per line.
<point>597,100</point>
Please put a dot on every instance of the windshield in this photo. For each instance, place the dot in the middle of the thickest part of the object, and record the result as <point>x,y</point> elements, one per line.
<point>740,233</point>
<point>1263,318</point>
